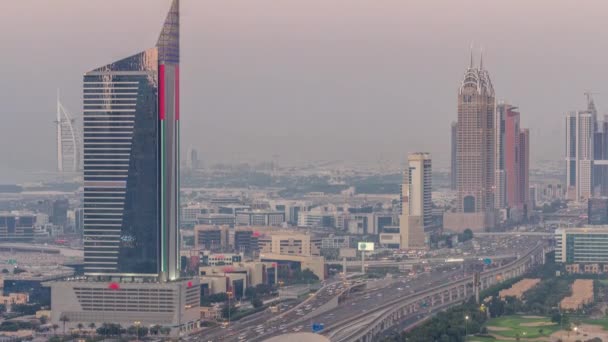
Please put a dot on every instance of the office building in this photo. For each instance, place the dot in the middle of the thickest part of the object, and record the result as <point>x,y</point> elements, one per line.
<point>260,218</point>
<point>475,153</point>
<point>582,245</point>
<point>292,263</point>
<point>245,241</point>
<point>131,161</point>
<point>290,243</point>
<point>453,156</point>
<point>416,201</point>
<point>131,196</point>
<point>60,212</point>
<point>580,134</point>
<point>190,213</point>
<point>216,219</point>
<point>511,160</point>
<point>338,241</point>
<point>211,237</point>
<point>79,220</point>
<point>17,226</point>
<point>597,211</point>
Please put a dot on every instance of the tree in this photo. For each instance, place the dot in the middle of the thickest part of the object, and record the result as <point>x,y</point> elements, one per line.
<point>92,327</point>
<point>467,235</point>
<point>43,319</point>
<point>55,327</point>
<point>80,326</point>
<point>64,319</point>
<point>155,329</point>
<point>257,303</point>
<point>165,330</point>
<point>5,271</point>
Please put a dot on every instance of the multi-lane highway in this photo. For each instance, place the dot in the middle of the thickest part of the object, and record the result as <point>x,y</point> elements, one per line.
<point>324,307</point>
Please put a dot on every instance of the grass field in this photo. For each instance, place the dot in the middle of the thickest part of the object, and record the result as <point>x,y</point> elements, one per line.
<point>603,322</point>
<point>513,326</point>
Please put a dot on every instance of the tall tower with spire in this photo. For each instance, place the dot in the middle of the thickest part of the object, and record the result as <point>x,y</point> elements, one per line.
<point>475,151</point>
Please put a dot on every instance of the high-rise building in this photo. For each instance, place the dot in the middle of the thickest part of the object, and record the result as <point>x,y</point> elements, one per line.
<point>69,140</point>
<point>416,201</point>
<point>511,159</point>
<point>131,162</point>
<point>475,153</point>
<point>500,177</point>
<point>581,129</point>
<point>131,196</point>
<point>454,159</point>
<point>597,211</point>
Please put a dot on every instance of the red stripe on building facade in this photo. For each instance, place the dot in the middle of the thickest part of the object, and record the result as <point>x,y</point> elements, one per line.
<point>161,92</point>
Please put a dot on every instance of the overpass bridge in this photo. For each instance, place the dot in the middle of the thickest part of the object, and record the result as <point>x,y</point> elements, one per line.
<point>411,262</point>
<point>366,326</point>
<point>546,234</point>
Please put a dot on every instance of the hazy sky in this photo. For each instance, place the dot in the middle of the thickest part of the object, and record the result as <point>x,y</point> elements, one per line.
<point>353,80</point>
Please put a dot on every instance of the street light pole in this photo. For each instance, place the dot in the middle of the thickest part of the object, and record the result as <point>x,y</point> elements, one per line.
<point>466,321</point>
<point>137,324</point>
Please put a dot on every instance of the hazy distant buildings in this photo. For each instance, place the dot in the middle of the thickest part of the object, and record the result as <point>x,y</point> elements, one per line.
<point>16,227</point>
<point>453,156</point>
<point>597,211</point>
<point>475,153</point>
<point>131,195</point>
<point>68,141</point>
<point>416,201</point>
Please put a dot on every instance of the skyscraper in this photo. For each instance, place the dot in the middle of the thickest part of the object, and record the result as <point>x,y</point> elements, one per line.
<point>580,129</point>
<point>512,159</point>
<point>131,196</point>
<point>453,159</point>
<point>475,152</point>
<point>69,140</point>
<point>131,162</point>
<point>416,201</point>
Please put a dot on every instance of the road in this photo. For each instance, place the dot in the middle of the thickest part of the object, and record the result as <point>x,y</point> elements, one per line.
<point>315,309</point>
<point>249,328</point>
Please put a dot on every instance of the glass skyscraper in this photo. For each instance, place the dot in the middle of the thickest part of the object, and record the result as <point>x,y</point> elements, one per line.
<point>131,162</point>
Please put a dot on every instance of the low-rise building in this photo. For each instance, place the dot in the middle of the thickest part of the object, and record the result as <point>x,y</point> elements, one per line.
<point>260,218</point>
<point>216,219</point>
<point>17,226</point>
<point>211,237</point>
<point>581,245</point>
<point>290,243</point>
<point>173,304</point>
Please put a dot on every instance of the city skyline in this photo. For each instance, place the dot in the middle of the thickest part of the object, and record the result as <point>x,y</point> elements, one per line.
<point>365,87</point>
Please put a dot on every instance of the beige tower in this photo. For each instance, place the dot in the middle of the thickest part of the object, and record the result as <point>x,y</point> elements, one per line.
<point>475,153</point>
<point>416,201</point>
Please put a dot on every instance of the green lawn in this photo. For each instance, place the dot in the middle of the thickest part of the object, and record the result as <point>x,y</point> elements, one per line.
<point>515,327</point>
<point>603,322</point>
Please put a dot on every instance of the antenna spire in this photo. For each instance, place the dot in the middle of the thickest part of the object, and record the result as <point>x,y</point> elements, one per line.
<point>481,60</point>
<point>471,63</point>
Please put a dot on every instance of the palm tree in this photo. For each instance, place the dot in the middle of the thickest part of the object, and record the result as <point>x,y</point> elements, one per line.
<point>92,327</point>
<point>55,327</point>
<point>64,319</point>
<point>80,326</point>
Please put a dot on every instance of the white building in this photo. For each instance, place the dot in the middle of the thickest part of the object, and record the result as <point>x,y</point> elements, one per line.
<point>416,201</point>
<point>580,128</point>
